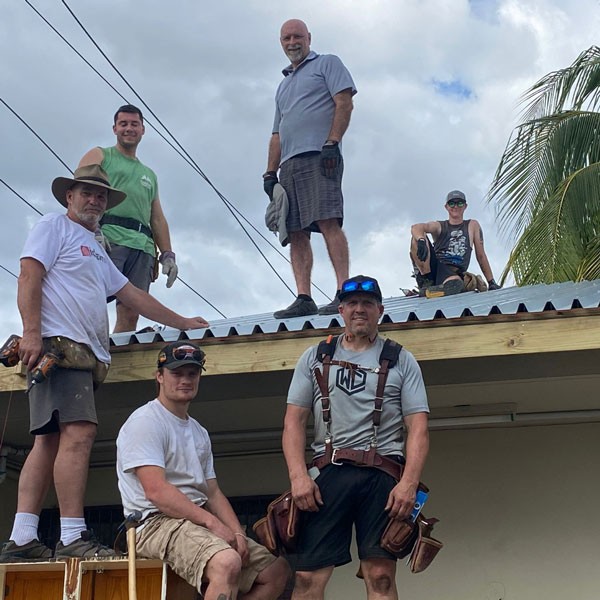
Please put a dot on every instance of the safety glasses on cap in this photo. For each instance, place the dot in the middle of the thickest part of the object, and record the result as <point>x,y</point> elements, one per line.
<point>367,285</point>
<point>179,353</point>
<point>453,203</point>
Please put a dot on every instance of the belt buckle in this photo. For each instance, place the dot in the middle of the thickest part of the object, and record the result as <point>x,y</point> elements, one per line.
<point>140,225</point>
<point>333,461</point>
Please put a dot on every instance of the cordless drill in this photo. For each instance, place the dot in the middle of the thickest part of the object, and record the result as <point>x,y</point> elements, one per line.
<point>9,357</point>
<point>9,353</point>
<point>42,370</point>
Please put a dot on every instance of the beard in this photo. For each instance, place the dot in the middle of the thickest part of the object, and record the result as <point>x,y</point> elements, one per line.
<point>90,220</point>
<point>295,55</point>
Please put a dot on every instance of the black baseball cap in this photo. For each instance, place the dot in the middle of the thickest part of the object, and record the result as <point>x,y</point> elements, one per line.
<point>361,284</point>
<point>177,354</point>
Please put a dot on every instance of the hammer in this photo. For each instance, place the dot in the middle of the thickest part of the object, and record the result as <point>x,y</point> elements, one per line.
<point>131,522</point>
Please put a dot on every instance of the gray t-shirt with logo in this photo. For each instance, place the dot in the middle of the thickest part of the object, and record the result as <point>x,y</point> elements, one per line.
<point>352,396</point>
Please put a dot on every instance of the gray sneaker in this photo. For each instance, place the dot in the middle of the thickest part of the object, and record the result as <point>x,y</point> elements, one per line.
<point>33,551</point>
<point>332,308</point>
<point>298,308</point>
<point>87,546</point>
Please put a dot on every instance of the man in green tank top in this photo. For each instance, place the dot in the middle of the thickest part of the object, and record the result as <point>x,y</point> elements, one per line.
<point>138,224</point>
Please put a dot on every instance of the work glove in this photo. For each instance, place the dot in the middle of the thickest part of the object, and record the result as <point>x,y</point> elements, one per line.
<point>422,249</point>
<point>331,159</point>
<point>492,285</point>
<point>102,240</point>
<point>169,267</point>
<point>269,181</point>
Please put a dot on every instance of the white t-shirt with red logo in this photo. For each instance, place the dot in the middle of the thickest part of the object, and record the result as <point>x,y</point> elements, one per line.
<point>79,277</point>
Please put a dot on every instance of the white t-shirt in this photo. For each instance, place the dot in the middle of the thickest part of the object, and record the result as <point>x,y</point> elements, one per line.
<point>154,436</point>
<point>79,277</point>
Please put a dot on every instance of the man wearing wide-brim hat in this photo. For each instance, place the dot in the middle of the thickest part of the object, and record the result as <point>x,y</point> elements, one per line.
<point>64,281</point>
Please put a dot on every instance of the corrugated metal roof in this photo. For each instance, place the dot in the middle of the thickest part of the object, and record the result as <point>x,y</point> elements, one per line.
<point>508,301</point>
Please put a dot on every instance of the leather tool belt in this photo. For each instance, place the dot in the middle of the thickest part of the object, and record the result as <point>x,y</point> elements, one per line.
<point>74,355</point>
<point>127,223</point>
<point>361,458</point>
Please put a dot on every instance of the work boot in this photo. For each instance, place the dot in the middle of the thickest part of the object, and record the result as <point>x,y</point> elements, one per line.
<point>87,546</point>
<point>298,308</point>
<point>448,288</point>
<point>33,551</point>
<point>332,308</point>
<point>424,283</point>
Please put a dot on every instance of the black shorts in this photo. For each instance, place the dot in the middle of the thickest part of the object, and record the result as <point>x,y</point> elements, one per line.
<point>352,496</point>
<point>440,271</point>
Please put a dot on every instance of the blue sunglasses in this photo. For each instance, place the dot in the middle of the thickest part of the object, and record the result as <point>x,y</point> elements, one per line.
<point>363,286</point>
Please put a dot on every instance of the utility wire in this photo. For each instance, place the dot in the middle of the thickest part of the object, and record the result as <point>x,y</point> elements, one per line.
<point>151,125</point>
<point>37,136</point>
<point>8,271</point>
<point>70,171</point>
<point>21,197</point>
<point>200,172</point>
<point>227,203</point>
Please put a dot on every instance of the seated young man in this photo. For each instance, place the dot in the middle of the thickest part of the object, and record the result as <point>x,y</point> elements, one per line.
<point>165,470</point>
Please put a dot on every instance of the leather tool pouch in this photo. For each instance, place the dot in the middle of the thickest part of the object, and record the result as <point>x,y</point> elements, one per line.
<point>399,537</point>
<point>278,531</point>
<point>426,547</point>
<point>73,355</point>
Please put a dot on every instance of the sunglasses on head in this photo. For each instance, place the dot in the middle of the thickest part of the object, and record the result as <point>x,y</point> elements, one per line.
<point>453,203</point>
<point>184,353</point>
<point>369,285</point>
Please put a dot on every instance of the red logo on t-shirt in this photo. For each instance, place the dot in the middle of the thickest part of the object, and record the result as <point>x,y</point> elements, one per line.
<point>87,251</point>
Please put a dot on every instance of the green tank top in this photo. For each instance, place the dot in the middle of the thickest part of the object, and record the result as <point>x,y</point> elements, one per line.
<point>141,186</point>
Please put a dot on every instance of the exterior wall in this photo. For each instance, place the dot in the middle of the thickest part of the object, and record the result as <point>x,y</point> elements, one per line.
<point>519,517</point>
<point>518,510</point>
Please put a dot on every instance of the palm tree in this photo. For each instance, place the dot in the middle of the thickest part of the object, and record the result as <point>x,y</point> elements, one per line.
<point>547,186</point>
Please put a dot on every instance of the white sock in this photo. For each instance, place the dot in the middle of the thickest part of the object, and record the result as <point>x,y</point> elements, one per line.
<point>25,528</point>
<point>71,528</point>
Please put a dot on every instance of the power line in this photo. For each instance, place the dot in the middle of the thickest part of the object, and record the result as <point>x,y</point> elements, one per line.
<point>37,136</point>
<point>21,197</point>
<point>200,172</point>
<point>8,271</point>
<point>190,162</point>
<point>226,202</point>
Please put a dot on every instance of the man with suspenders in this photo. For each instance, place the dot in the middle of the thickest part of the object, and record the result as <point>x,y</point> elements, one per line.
<point>370,411</point>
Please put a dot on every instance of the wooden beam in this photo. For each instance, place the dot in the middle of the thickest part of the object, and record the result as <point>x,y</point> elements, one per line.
<point>462,340</point>
<point>448,339</point>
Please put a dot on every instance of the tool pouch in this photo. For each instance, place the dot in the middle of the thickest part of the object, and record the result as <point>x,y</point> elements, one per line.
<point>73,355</point>
<point>278,531</point>
<point>399,537</point>
<point>426,548</point>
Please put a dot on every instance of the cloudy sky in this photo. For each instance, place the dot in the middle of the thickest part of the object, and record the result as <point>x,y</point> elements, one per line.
<point>438,81</point>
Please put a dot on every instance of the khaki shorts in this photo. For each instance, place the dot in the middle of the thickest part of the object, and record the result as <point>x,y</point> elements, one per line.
<point>187,547</point>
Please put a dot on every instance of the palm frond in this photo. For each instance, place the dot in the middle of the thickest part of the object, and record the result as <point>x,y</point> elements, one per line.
<point>566,88</point>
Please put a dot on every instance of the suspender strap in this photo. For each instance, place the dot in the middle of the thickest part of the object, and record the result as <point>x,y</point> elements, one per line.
<point>381,379</point>
<point>323,383</point>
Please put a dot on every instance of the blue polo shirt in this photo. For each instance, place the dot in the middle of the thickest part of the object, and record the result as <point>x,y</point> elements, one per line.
<point>304,104</point>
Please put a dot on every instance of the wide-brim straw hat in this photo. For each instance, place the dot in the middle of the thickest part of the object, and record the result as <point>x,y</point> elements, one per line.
<point>91,174</point>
